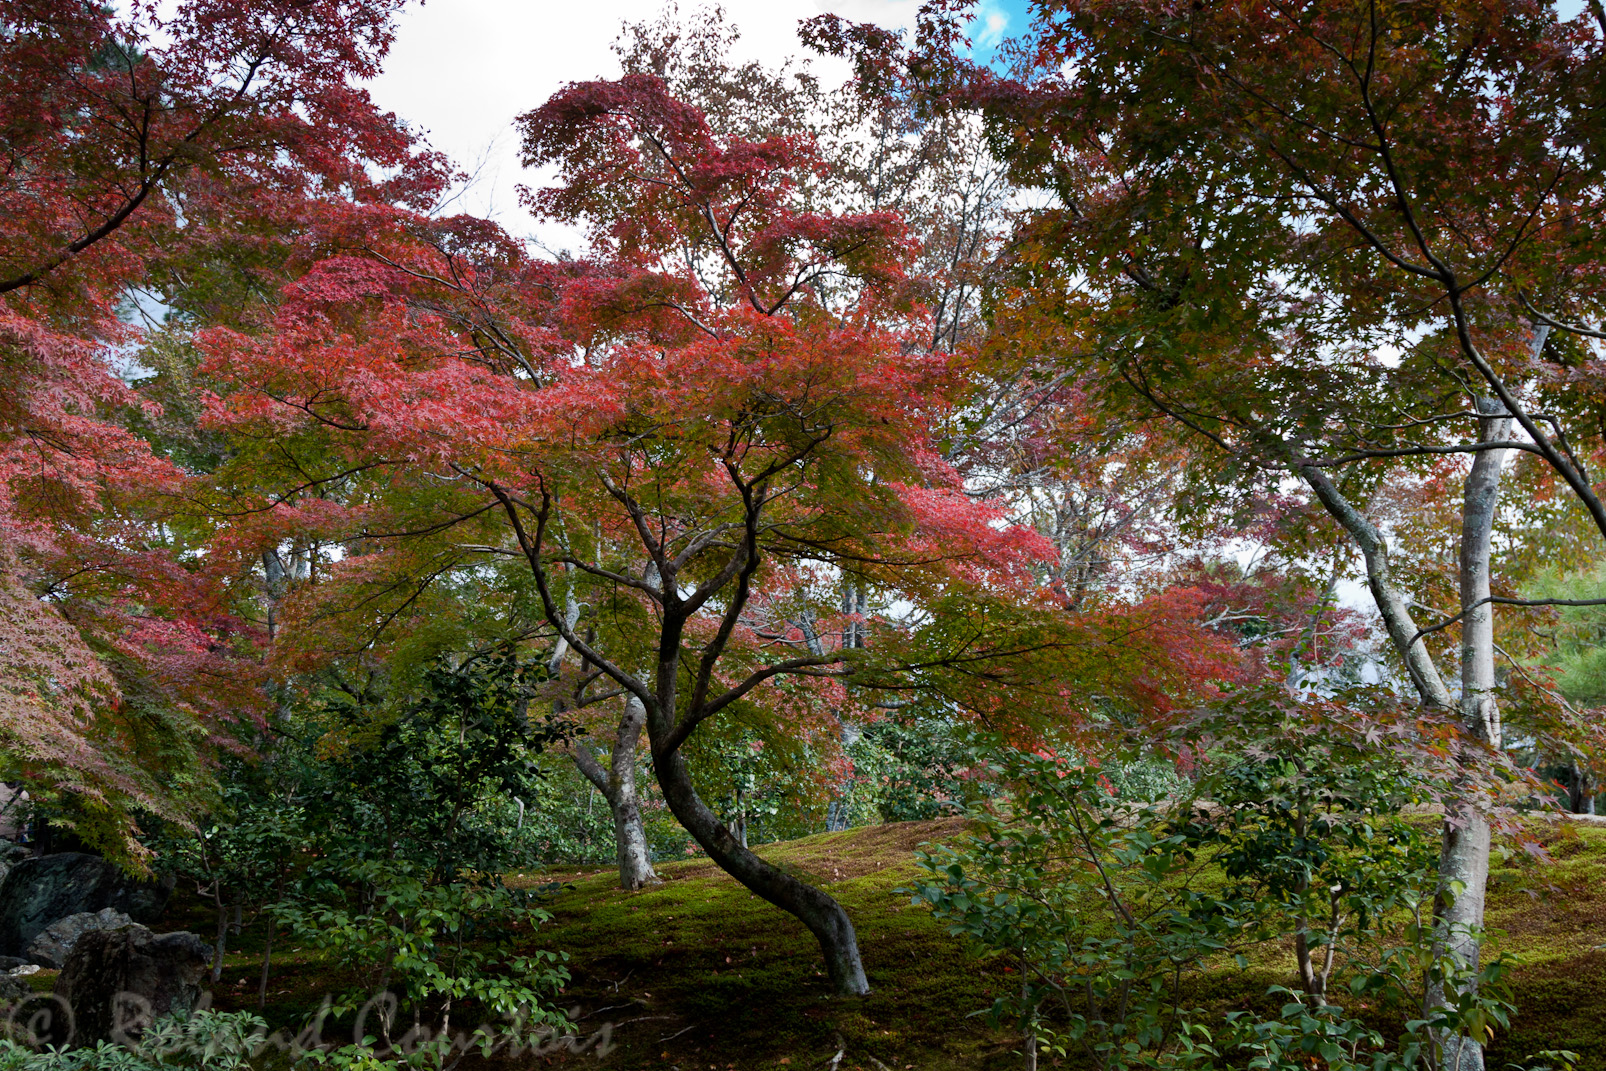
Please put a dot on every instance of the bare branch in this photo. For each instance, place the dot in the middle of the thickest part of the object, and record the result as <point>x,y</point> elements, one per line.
<point>1500,600</point>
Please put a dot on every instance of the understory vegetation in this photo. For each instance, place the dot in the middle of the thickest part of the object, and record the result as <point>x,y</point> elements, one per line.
<point>699,958</point>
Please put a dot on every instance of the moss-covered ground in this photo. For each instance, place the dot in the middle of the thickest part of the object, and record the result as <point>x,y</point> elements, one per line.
<point>697,973</point>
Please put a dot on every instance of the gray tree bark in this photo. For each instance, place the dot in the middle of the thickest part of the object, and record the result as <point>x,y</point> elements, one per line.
<point>1464,855</point>
<point>617,783</point>
<point>1464,851</point>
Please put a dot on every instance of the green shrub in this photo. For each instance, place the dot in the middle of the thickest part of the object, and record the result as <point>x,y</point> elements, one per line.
<point>1112,908</point>
<point>1089,897</point>
<point>201,1041</point>
<point>433,945</point>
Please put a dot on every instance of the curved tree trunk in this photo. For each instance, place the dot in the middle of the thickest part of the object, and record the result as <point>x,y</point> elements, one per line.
<point>813,907</point>
<point>618,786</point>
<point>668,726</point>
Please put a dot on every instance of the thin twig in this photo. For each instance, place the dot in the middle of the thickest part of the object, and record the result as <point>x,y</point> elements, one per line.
<point>609,1008</point>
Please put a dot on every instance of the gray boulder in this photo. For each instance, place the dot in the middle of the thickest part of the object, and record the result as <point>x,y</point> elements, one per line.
<point>13,988</point>
<point>50,948</point>
<point>10,855</point>
<point>39,892</point>
<point>117,982</point>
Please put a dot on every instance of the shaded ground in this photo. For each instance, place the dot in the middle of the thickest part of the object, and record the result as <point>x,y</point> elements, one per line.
<point>697,973</point>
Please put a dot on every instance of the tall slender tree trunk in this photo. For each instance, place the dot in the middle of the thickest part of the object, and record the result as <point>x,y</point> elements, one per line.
<point>267,964</point>
<point>617,783</point>
<point>219,950</point>
<point>855,609</point>
<point>1464,856</point>
<point>1030,1039</point>
<point>1464,853</point>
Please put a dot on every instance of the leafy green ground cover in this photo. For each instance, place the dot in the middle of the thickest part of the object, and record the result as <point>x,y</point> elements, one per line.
<point>696,973</point>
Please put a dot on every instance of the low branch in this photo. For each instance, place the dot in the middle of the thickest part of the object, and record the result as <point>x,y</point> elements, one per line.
<point>1413,451</point>
<point>1558,325</point>
<point>1500,600</point>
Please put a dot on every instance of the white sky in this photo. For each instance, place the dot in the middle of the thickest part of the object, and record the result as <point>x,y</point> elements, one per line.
<point>461,70</point>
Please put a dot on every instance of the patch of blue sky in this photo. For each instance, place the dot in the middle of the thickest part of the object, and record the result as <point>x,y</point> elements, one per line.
<point>995,22</point>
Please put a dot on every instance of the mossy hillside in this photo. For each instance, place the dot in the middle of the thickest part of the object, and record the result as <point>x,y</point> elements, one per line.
<point>1550,917</point>
<point>696,972</point>
<point>699,972</point>
<point>699,960</point>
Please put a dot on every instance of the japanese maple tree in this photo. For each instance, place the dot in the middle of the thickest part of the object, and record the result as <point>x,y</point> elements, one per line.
<point>142,150</point>
<point>685,443</point>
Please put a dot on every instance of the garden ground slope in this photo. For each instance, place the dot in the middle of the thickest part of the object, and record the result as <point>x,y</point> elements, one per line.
<point>696,973</point>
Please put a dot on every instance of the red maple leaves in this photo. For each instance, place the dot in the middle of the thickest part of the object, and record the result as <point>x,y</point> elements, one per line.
<point>148,157</point>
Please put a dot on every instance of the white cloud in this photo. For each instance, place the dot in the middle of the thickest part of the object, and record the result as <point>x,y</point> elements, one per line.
<point>989,26</point>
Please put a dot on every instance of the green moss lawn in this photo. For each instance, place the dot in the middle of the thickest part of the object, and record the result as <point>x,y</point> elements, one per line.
<point>695,973</point>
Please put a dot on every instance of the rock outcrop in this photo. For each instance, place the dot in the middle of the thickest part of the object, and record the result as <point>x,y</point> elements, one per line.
<point>10,855</point>
<point>39,892</point>
<point>117,982</point>
<point>51,947</point>
<point>13,987</point>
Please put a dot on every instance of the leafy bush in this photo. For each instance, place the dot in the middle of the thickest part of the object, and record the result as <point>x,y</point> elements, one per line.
<point>1111,906</point>
<point>915,770</point>
<point>201,1041</point>
<point>206,1040</point>
<point>209,1040</point>
<point>1090,900</point>
<point>435,945</point>
<point>427,782</point>
<point>15,1056</point>
<point>360,822</point>
<point>1308,830</point>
